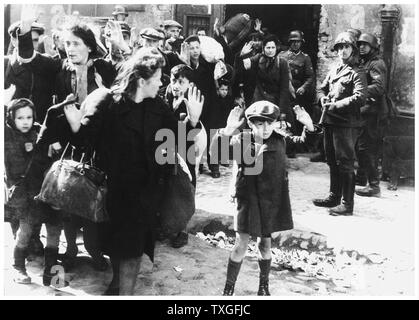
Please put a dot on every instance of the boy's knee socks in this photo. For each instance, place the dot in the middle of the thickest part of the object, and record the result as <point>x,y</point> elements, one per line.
<point>265,268</point>
<point>233,270</point>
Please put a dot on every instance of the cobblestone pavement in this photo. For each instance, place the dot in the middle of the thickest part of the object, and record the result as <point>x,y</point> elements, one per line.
<point>368,254</point>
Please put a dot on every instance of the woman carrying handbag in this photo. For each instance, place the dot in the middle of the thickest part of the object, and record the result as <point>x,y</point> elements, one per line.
<point>122,127</point>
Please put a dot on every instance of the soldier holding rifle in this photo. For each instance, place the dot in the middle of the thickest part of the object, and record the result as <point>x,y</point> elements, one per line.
<point>341,96</point>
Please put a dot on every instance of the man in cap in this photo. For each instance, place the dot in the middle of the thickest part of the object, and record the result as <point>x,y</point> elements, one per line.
<point>374,114</point>
<point>151,38</point>
<point>173,36</point>
<point>120,13</point>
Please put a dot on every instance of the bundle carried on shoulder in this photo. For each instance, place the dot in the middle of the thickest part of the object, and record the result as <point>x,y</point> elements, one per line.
<point>236,29</point>
<point>211,49</point>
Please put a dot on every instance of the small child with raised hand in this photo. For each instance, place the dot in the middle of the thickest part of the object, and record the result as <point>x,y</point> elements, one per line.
<point>181,80</point>
<point>261,187</point>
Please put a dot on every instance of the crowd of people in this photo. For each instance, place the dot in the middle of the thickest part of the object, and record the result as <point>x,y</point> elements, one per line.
<point>107,95</point>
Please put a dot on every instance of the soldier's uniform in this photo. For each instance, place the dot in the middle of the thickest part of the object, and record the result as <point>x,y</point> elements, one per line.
<point>345,86</point>
<point>374,115</point>
<point>302,75</point>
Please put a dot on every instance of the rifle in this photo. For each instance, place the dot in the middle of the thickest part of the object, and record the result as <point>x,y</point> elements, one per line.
<point>324,111</point>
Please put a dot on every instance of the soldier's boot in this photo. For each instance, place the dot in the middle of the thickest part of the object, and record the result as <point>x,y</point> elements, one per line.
<point>265,268</point>
<point>372,190</point>
<point>233,270</point>
<point>348,191</point>
<point>335,194</point>
<point>19,255</point>
<point>361,179</point>
<point>50,256</point>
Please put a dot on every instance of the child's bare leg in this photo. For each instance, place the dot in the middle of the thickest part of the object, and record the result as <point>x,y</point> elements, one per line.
<point>20,252</point>
<point>265,258</point>
<point>264,246</point>
<point>128,272</point>
<point>240,247</point>
<point>235,262</point>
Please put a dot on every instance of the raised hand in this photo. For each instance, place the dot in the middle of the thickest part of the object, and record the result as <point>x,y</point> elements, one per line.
<point>300,91</point>
<point>28,15</point>
<point>216,30</point>
<point>113,33</point>
<point>303,117</point>
<point>99,80</point>
<point>247,48</point>
<point>185,54</point>
<point>258,25</point>
<point>9,93</point>
<point>234,121</point>
<point>194,104</point>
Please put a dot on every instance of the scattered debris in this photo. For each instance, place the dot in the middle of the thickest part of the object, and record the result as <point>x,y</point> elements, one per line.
<point>178,269</point>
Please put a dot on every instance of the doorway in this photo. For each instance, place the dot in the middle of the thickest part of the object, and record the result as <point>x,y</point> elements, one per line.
<point>281,19</point>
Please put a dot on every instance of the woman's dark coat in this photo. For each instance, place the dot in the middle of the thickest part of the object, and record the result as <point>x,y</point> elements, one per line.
<point>123,134</point>
<point>272,82</point>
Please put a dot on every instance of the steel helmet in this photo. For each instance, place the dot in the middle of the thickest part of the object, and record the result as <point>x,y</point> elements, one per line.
<point>296,35</point>
<point>355,32</point>
<point>368,38</point>
<point>120,10</point>
<point>345,38</point>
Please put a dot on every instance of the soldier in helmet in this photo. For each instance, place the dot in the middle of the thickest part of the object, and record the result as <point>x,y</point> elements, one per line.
<point>355,32</point>
<point>341,96</point>
<point>374,115</point>
<point>302,75</point>
<point>301,68</point>
<point>120,13</point>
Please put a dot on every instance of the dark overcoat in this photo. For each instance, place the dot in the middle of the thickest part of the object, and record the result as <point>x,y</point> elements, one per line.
<point>263,202</point>
<point>272,82</point>
<point>123,134</point>
<point>376,73</point>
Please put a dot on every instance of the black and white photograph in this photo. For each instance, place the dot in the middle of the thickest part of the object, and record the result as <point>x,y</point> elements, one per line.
<point>209,151</point>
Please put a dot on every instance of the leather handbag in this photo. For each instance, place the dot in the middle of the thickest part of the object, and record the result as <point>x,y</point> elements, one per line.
<point>75,188</point>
